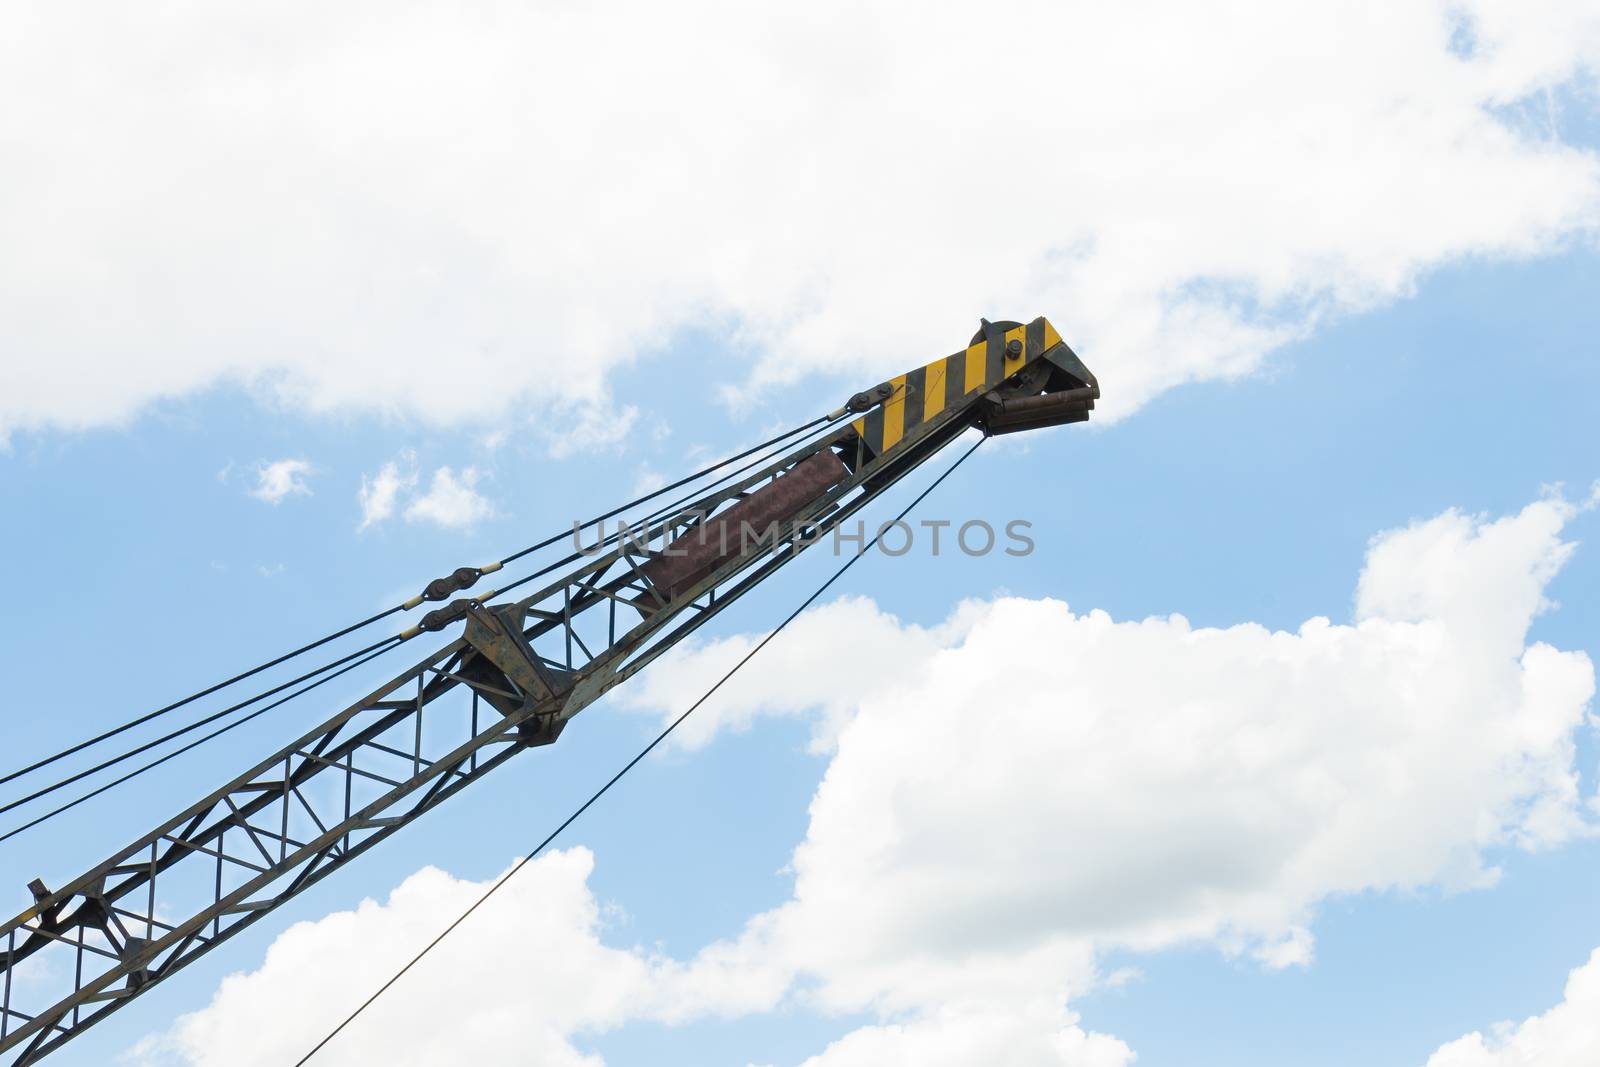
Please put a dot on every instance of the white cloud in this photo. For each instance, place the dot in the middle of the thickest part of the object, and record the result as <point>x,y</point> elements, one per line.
<point>647,480</point>
<point>1566,1036</point>
<point>1031,788</point>
<point>317,972</point>
<point>451,501</point>
<point>286,477</point>
<point>1045,1036</point>
<point>378,494</point>
<point>1180,186</point>
<point>591,427</point>
<point>788,683</point>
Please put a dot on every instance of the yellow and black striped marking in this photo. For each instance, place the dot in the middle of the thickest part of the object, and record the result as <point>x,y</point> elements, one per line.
<point>926,393</point>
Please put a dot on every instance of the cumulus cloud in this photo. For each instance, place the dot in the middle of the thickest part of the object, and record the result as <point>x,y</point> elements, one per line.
<point>1046,1036</point>
<point>508,1013</point>
<point>647,480</point>
<point>286,477</point>
<point>379,493</point>
<point>1566,1036</point>
<point>1036,786</point>
<point>1033,785</point>
<point>592,427</point>
<point>788,683</point>
<point>273,195</point>
<point>452,501</point>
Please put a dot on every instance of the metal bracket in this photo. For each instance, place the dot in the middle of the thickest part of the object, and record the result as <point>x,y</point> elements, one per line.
<point>496,634</point>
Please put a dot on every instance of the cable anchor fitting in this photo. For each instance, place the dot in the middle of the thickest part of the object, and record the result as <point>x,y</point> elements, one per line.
<point>453,612</point>
<point>865,401</point>
<point>458,579</point>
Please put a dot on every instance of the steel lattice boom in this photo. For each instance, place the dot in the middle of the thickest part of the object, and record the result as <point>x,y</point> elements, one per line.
<point>511,680</point>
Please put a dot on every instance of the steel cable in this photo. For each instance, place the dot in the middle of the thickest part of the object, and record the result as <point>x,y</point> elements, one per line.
<point>660,737</point>
<point>346,631</point>
<point>384,646</point>
<point>9,834</point>
<point>380,647</point>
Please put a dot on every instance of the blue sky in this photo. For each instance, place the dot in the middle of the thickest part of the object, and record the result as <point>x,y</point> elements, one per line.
<point>1353,347</point>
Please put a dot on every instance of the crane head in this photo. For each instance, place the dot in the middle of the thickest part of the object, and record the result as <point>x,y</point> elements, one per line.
<point>1011,377</point>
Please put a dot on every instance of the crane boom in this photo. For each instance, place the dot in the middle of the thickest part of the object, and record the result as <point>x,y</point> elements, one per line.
<point>511,679</point>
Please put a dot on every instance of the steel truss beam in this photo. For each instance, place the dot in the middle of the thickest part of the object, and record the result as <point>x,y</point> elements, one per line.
<point>512,681</point>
